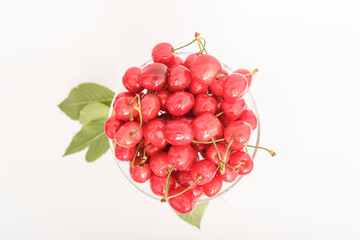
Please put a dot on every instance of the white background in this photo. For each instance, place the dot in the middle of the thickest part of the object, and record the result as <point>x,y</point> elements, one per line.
<point>307,91</point>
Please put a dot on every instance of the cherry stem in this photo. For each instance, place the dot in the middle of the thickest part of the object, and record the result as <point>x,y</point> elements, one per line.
<point>252,73</point>
<point>219,140</point>
<point>131,115</point>
<point>144,158</point>
<point>220,75</point>
<point>222,166</point>
<point>129,103</point>
<point>202,45</point>
<point>140,115</point>
<point>220,113</point>
<point>175,49</point>
<point>228,147</point>
<point>236,169</point>
<point>272,153</point>
<point>178,194</point>
<point>246,149</point>
<point>136,152</point>
<point>168,181</point>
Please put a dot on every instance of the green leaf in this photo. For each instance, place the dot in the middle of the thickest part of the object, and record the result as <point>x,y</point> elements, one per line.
<point>194,218</point>
<point>88,134</point>
<point>83,95</point>
<point>93,111</point>
<point>97,148</point>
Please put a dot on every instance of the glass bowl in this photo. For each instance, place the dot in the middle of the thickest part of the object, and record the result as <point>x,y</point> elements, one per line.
<point>145,187</point>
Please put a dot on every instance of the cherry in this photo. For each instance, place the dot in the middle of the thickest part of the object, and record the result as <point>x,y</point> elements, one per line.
<point>198,146</point>
<point>197,191</point>
<point>179,78</point>
<point>235,87</point>
<point>179,103</point>
<point>224,121</point>
<point>167,117</point>
<point>121,94</point>
<point>205,68</point>
<point>211,188</point>
<point>184,178</point>
<point>183,157</point>
<point>163,53</point>
<point>212,154</point>
<point>217,86</point>
<point>248,74</point>
<point>158,184</point>
<point>163,94</point>
<point>124,154</point>
<point>140,174</point>
<point>239,132</point>
<point>243,161</point>
<point>150,149</point>
<point>183,203</point>
<point>154,132</point>
<point>233,111</point>
<point>204,103</point>
<point>150,106</point>
<point>189,60</point>
<point>229,175</point>
<point>206,126</point>
<point>204,168</point>
<point>159,163</point>
<point>179,133</point>
<point>129,134</point>
<point>176,62</point>
<point>197,88</point>
<point>131,80</point>
<point>123,110</point>
<point>154,76</point>
<point>183,118</point>
<point>249,116</point>
<point>112,125</point>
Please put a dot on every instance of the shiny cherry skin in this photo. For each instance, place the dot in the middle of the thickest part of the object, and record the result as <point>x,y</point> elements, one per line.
<point>183,118</point>
<point>205,68</point>
<point>150,106</point>
<point>154,132</point>
<point>197,191</point>
<point>154,76</point>
<point>125,137</point>
<point>198,146</point>
<point>124,154</point>
<point>159,163</point>
<point>224,120</point>
<point>240,131</point>
<point>158,184</point>
<point>178,133</point>
<point>184,203</point>
<point>212,188</point>
<point>204,103</point>
<point>235,87</point>
<point>176,62</point>
<point>229,176</point>
<point>140,174</point>
<point>212,155</point>
<point>217,87</point>
<point>206,169</point>
<point>179,103</point>
<point>163,94</point>
<point>238,159</point>
<point>123,110</point>
<point>189,60</point>
<point>131,80</point>
<point>112,125</point>
<point>249,116</point>
<point>151,150</point>
<point>184,179</point>
<point>197,88</point>
<point>233,111</point>
<point>183,157</point>
<point>206,126</point>
<point>162,53</point>
<point>179,78</point>
<point>244,71</point>
<point>121,94</point>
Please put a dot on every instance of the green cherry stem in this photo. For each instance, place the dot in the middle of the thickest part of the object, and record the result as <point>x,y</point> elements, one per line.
<point>272,153</point>
<point>228,147</point>
<point>220,75</point>
<point>136,152</point>
<point>219,140</point>
<point>168,182</point>
<point>144,157</point>
<point>178,194</point>
<point>222,166</point>
<point>203,46</point>
<point>252,73</point>
<point>236,169</point>
<point>138,108</point>
<point>220,113</point>
<point>175,49</point>
<point>129,103</point>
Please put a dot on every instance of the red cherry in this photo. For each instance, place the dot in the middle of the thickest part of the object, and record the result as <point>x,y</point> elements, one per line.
<point>179,78</point>
<point>150,106</point>
<point>183,118</point>
<point>205,68</point>
<point>206,169</point>
<point>184,178</point>
<point>123,110</point>
<point>166,117</point>
<point>126,138</point>
<point>184,203</point>
<point>211,188</point>
<point>243,161</point>
<point>206,126</point>
<point>112,125</point>
<point>244,71</point>
<point>224,120</point>
<point>154,132</point>
<point>249,116</point>
<point>204,103</point>
<point>154,76</point>
<point>140,174</point>
<point>151,150</point>
<point>233,111</point>
<point>212,155</point>
<point>179,133</point>
<point>229,176</point>
<point>219,101</point>
<point>163,94</point>
<point>183,157</point>
<point>197,88</point>
<point>162,53</point>
<point>217,87</point>
<point>159,163</point>
<point>197,191</point>
<point>240,131</point>
<point>198,146</point>
<point>121,94</point>
<point>176,62</point>
<point>179,103</point>
<point>235,87</point>
<point>124,154</point>
<point>189,60</point>
<point>158,184</point>
<point>131,80</point>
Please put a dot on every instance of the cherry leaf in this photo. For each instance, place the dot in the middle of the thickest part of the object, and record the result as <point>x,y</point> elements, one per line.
<point>194,218</point>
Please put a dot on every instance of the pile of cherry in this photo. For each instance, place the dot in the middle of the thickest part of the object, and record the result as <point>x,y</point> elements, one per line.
<point>183,125</point>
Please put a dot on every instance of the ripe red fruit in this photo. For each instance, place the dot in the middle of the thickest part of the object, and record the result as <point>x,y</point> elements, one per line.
<point>243,161</point>
<point>197,88</point>
<point>211,188</point>
<point>178,133</point>
<point>212,155</point>
<point>131,80</point>
<point>154,132</point>
<point>158,184</point>
<point>184,178</point>
<point>124,154</point>
<point>121,94</point>
<point>123,110</point>
<point>140,174</point>
<point>179,78</point>
<point>206,126</point>
<point>183,118</point>
<point>189,60</point>
<point>162,53</point>
<point>229,176</point>
<point>197,191</point>
<point>235,87</point>
<point>176,62</point>
<point>184,203</point>
<point>234,110</point>
<point>163,94</point>
<point>183,157</point>
<point>126,138</point>
<point>179,103</point>
<point>205,68</point>
<point>154,76</point>
<point>249,116</point>
<point>217,86</point>
<point>206,169</point>
<point>151,150</point>
<point>240,131</point>
<point>159,163</point>
<point>244,71</point>
<point>204,103</point>
<point>150,106</point>
<point>112,125</point>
